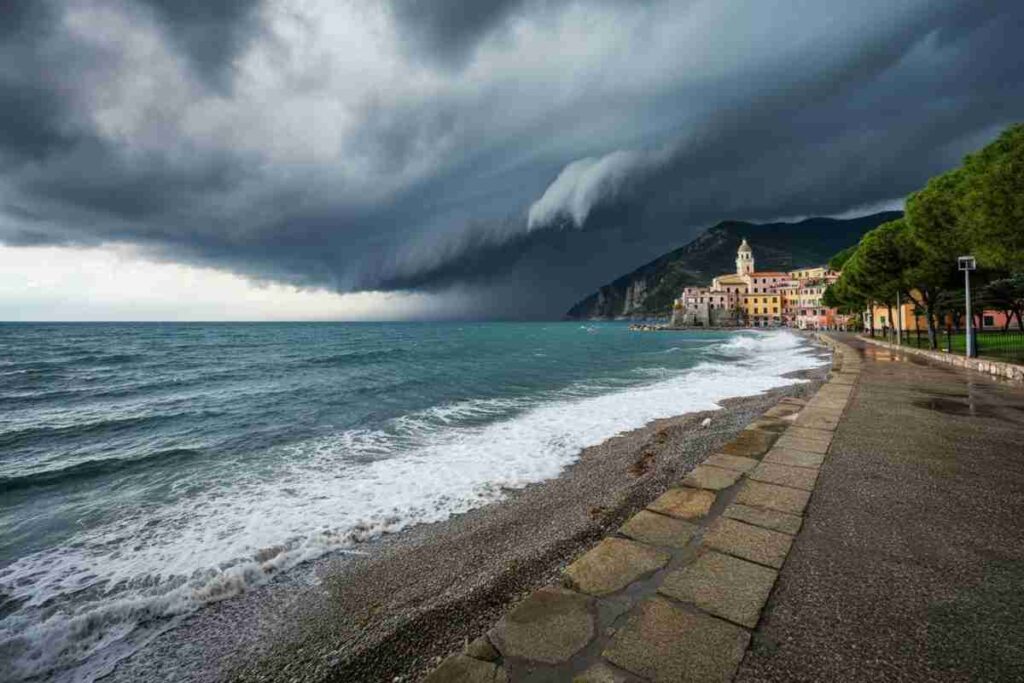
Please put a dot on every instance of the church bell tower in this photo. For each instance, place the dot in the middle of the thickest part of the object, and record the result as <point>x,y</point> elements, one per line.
<point>744,259</point>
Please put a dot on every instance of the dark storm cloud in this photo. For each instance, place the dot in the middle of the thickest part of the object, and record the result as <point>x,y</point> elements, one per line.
<point>31,111</point>
<point>447,30</point>
<point>210,32</point>
<point>695,114</point>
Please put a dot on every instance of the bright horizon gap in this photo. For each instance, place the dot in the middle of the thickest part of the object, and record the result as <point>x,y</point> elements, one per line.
<point>116,283</point>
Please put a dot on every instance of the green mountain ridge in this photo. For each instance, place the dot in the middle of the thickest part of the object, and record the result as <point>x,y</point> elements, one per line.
<point>650,290</point>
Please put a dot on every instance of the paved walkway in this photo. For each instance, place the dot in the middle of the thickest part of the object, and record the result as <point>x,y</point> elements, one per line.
<point>910,564</point>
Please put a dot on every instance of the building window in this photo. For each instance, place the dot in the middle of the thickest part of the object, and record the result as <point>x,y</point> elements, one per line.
<point>989,321</point>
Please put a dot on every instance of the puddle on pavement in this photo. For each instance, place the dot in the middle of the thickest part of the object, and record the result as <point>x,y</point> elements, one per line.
<point>948,406</point>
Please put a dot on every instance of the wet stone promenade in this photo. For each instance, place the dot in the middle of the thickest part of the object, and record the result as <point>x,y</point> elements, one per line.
<point>675,593</point>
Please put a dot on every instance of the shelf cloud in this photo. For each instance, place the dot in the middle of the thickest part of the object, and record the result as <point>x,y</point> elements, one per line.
<point>514,154</point>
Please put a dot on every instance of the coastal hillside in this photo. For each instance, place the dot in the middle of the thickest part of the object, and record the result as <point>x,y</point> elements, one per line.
<point>649,290</point>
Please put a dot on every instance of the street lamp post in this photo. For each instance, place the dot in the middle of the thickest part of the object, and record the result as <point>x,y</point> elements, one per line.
<point>966,264</point>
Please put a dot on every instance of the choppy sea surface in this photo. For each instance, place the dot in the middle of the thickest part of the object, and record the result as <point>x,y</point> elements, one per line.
<point>147,470</point>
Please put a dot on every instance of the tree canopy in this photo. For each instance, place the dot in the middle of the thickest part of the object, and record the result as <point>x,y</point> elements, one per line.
<point>976,209</point>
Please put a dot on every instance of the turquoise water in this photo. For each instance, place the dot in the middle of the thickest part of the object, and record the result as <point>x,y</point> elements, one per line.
<point>149,469</point>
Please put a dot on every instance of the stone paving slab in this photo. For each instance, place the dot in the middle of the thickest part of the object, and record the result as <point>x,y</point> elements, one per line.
<point>784,475</point>
<point>724,586</point>
<point>601,673</point>
<point>750,443</point>
<point>811,433</point>
<point>769,519</point>
<point>770,424</point>
<point>551,625</point>
<point>481,649</point>
<point>665,643</point>
<point>794,458</point>
<point>650,527</point>
<point>613,564</point>
<point>686,503</point>
<point>819,422</point>
<point>827,411</point>
<point>796,444</point>
<point>732,462</point>
<point>749,542</point>
<point>782,498</point>
<point>832,409</point>
<point>828,390</point>
<point>783,410</point>
<point>463,669</point>
<point>711,478</point>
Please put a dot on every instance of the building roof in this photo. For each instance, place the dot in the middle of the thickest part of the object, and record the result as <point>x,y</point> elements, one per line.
<point>769,273</point>
<point>744,247</point>
<point>731,279</point>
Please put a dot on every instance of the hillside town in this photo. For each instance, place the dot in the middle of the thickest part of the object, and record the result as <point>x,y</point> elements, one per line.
<point>752,298</point>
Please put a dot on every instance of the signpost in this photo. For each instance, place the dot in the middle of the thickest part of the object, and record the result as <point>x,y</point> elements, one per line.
<point>966,264</point>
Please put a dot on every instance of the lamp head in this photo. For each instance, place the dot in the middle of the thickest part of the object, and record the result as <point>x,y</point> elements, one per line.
<point>966,263</point>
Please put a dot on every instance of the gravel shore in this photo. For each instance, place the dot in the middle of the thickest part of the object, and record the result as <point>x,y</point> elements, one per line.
<point>392,612</point>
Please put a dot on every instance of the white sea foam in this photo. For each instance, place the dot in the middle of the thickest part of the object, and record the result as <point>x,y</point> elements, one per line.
<point>332,493</point>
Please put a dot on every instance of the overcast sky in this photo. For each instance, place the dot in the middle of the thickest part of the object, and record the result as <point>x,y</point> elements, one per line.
<point>269,159</point>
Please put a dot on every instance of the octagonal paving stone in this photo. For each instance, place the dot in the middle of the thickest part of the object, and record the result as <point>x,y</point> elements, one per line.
<point>662,643</point>
<point>550,626</point>
<point>613,564</point>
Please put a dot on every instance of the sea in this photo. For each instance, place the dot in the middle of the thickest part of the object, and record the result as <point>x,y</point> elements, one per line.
<point>147,470</point>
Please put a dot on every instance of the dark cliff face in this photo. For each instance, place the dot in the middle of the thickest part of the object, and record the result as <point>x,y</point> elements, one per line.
<point>649,290</point>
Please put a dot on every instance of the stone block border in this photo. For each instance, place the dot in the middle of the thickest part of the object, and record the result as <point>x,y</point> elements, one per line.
<point>674,594</point>
<point>997,368</point>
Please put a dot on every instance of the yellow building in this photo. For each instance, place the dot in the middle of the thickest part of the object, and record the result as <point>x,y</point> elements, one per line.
<point>763,309</point>
<point>903,319</point>
<point>809,273</point>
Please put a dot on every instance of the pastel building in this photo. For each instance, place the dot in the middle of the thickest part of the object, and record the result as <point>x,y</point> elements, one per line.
<point>906,318</point>
<point>758,298</point>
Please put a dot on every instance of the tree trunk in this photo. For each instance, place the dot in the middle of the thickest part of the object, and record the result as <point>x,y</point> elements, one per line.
<point>933,340</point>
<point>927,304</point>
